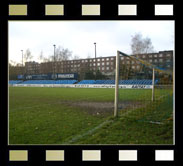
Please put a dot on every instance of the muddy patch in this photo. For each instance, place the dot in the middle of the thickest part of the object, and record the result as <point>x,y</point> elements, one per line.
<point>104,108</point>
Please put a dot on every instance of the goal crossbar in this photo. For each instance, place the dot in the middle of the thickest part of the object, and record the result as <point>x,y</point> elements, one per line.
<point>151,66</point>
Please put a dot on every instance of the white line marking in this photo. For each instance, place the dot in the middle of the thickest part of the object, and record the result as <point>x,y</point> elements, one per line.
<point>88,132</point>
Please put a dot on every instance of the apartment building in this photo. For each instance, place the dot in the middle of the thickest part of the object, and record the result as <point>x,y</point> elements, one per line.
<point>106,65</point>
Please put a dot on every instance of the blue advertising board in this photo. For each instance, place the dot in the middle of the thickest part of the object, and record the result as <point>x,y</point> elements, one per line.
<point>67,76</point>
<point>59,76</point>
<point>20,77</point>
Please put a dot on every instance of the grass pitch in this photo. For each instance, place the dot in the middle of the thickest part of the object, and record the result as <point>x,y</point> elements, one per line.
<point>85,116</point>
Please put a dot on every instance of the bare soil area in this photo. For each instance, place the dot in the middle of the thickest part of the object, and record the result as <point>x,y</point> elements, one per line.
<point>103,108</point>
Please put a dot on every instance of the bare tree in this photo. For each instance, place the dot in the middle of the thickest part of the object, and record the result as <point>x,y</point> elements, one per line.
<point>46,59</point>
<point>76,57</point>
<point>140,45</point>
<point>12,63</point>
<point>61,54</point>
<point>89,56</point>
<point>41,56</point>
<point>27,55</point>
<point>148,47</point>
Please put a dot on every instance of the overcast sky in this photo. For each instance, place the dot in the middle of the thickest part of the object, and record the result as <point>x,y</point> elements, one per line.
<point>79,37</point>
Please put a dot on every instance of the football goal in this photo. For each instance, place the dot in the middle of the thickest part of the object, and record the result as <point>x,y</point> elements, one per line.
<point>144,87</point>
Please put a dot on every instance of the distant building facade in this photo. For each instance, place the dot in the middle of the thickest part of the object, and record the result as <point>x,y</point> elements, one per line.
<point>106,65</point>
<point>32,67</point>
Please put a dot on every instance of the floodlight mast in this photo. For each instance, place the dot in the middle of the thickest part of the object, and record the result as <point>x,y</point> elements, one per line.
<point>95,60</point>
<point>22,62</point>
<point>54,62</point>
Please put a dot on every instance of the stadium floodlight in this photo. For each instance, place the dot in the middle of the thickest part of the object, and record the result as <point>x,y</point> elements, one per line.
<point>54,62</point>
<point>22,62</point>
<point>95,50</point>
<point>95,60</point>
<point>22,57</point>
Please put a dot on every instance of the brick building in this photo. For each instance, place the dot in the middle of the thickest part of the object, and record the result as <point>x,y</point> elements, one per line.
<point>32,67</point>
<point>106,65</point>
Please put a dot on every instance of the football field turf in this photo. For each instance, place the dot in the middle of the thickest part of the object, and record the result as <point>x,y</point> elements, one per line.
<point>85,116</point>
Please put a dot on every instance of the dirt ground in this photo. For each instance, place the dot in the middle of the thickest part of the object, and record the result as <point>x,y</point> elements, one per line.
<point>104,108</point>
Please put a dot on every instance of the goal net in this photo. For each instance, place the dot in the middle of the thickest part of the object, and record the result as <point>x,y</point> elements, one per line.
<point>144,87</point>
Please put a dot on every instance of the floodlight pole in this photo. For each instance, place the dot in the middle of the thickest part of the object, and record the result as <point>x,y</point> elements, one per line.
<point>95,60</point>
<point>153,79</point>
<point>22,57</point>
<point>22,62</point>
<point>116,86</point>
<point>54,62</point>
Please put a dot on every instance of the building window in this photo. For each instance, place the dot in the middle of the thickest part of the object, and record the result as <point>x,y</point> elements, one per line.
<point>103,63</point>
<point>160,60</point>
<point>98,64</point>
<point>102,68</point>
<point>98,60</point>
<point>112,59</point>
<point>93,64</point>
<point>155,55</point>
<point>144,56</point>
<point>112,63</point>
<point>107,59</point>
<point>150,60</point>
<point>150,56</point>
<point>107,68</point>
<point>160,55</point>
<point>102,59</point>
<point>122,58</point>
<point>107,63</point>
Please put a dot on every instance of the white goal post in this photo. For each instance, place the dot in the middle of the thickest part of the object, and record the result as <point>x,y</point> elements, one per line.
<point>116,86</point>
<point>153,67</point>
